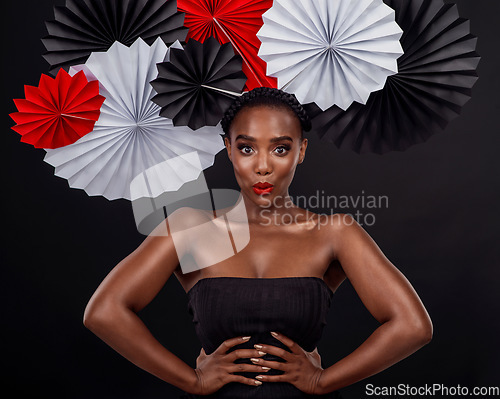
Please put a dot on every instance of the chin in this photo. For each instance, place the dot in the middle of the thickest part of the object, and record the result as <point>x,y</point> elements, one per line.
<point>262,200</point>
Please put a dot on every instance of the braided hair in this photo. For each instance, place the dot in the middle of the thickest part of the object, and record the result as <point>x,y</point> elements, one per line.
<point>266,96</point>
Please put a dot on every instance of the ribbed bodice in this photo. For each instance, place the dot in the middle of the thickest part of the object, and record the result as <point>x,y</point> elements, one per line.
<point>227,307</point>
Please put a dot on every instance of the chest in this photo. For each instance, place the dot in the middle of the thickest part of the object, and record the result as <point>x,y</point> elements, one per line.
<point>261,251</point>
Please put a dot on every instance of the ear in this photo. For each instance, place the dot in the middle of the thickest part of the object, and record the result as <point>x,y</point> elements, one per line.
<point>302,151</point>
<point>227,143</point>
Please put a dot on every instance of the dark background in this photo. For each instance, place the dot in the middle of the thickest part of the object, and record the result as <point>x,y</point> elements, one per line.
<point>440,230</point>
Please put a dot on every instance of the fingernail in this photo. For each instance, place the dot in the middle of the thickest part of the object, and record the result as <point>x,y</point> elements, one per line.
<point>258,382</point>
<point>259,377</point>
<point>253,359</point>
<point>274,334</point>
<point>262,353</point>
<point>266,368</point>
<point>257,346</point>
<point>245,338</point>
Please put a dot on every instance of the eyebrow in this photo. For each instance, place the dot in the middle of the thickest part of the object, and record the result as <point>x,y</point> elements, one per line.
<point>273,140</point>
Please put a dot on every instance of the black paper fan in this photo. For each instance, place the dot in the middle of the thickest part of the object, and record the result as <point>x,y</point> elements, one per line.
<point>199,83</point>
<point>84,26</point>
<point>436,74</point>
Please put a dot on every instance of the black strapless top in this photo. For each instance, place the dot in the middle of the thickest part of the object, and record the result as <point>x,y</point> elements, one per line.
<point>227,307</point>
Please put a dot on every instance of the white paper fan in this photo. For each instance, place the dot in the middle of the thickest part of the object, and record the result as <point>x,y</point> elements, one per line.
<point>130,136</point>
<point>330,52</point>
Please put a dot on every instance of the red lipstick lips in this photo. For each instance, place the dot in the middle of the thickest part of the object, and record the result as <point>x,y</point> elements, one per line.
<point>262,188</point>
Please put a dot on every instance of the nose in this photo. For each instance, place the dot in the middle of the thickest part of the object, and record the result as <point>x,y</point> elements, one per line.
<point>263,166</point>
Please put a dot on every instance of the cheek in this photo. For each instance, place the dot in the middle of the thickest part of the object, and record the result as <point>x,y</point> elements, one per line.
<point>285,166</point>
<point>241,165</point>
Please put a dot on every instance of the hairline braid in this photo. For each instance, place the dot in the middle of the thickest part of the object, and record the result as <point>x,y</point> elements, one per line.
<point>266,96</point>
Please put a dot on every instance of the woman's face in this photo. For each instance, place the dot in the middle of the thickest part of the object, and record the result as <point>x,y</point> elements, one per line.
<point>265,147</point>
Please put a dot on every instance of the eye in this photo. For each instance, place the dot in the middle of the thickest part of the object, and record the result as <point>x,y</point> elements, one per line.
<point>282,149</point>
<point>245,149</point>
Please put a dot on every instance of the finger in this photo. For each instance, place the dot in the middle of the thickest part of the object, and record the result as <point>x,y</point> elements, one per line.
<point>244,354</point>
<point>244,380</point>
<point>287,341</point>
<point>247,368</point>
<point>272,378</point>
<point>274,350</point>
<point>229,343</point>
<point>270,363</point>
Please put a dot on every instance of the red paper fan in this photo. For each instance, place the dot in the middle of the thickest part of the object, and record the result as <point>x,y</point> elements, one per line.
<point>59,111</point>
<point>235,21</point>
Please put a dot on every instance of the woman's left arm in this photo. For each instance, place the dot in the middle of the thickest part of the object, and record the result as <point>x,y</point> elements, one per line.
<point>388,296</point>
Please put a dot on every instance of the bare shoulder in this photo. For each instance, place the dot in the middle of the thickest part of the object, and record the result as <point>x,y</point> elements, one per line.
<point>337,224</point>
<point>339,228</point>
<point>181,219</point>
<point>342,222</point>
<point>188,215</point>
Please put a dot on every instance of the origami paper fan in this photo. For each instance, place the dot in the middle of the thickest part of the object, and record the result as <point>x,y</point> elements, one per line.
<point>234,21</point>
<point>130,136</point>
<point>85,26</point>
<point>330,52</point>
<point>199,83</point>
<point>59,111</point>
<point>435,80</point>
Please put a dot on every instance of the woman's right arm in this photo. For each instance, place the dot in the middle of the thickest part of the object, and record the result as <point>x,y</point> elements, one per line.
<point>111,313</point>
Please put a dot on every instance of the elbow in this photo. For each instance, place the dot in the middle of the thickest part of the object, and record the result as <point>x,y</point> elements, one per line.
<point>98,314</point>
<point>91,316</point>
<point>427,333</point>
<point>422,331</point>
